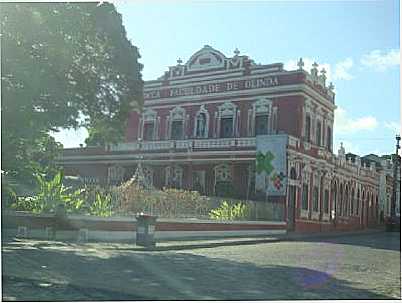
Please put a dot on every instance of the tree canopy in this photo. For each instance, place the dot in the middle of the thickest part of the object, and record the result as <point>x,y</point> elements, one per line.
<point>60,62</point>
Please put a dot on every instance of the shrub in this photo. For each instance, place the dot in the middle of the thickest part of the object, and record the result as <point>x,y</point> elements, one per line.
<point>230,212</point>
<point>8,193</point>
<point>168,202</point>
<point>102,206</point>
<point>51,194</point>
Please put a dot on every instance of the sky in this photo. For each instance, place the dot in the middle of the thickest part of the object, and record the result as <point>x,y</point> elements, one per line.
<point>356,41</point>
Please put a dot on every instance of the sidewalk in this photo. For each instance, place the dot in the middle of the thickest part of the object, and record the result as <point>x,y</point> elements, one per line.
<point>210,242</point>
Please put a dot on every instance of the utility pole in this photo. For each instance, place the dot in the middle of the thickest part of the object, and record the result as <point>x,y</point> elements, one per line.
<point>395,183</point>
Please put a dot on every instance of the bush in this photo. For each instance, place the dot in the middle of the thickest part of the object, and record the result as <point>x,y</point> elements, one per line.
<point>230,212</point>
<point>102,206</point>
<point>167,202</point>
<point>50,195</point>
<point>8,193</point>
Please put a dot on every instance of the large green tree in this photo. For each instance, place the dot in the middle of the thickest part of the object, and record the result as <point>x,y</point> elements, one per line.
<point>64,65</point>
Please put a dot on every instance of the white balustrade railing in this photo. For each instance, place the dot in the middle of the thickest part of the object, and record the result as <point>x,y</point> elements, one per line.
<point>245,142</point>
<point>156,145</point>
<point>125,146</point>
<point>214,143</point>
<point>185,144</point>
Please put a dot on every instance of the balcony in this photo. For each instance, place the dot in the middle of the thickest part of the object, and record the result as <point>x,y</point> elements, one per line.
<point>218,143</point>
<point>214,143</point>
<point>125,146</point>
<point>185,144</point>
<point>156,145</point>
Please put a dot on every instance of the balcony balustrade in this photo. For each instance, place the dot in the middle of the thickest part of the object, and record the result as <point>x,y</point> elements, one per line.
<point>246,142</point>
<point>125,146</point>
<point>184,144</point>
<point>218,143</point>
<point>214,143</point>
<point>157,145</point>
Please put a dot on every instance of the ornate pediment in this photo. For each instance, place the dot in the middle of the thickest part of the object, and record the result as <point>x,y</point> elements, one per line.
<point>227,109</point>
<point>149,115</point>
<point>262,106</point>
<point>206,58</point>
<point>177,113</point>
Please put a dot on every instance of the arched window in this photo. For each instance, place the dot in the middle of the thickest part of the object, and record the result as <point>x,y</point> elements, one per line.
<point>174,176</point>
<point>316,194</point>
<point>346,202</point>
<point>318,134</point>
<point>307,128</point>
<point>223,173</point>
<point>326,201</point>
<point>372,206</point>
<point>293,174</point>
<point>149,129</point>
<point>358,202</point>
<point>262,110</point>
<point>305,195</point>
<point>340,204</point>
<point>334,197</point>
<point>329,138</point>
<point>176,117</point>
<point>306,177</point>
<point>353,202</point>
<point>227,118</point>
<point>223,181</point>
<point>261,124</point>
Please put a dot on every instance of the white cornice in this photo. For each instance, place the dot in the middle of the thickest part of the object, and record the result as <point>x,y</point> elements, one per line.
<point>213,80</point>
<point>197,99</point>
<point>191,78</point>
<point>216,75</point>
<point>155,155</point>
<point>144,161</point>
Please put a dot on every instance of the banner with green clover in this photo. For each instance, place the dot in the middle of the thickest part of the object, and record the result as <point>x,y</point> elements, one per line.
<point>271,165</point>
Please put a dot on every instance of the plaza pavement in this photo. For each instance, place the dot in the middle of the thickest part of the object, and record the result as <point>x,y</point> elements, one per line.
<point>363,265</point>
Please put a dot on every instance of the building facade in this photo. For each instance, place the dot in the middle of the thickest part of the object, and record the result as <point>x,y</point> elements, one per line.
<point>200,129</point>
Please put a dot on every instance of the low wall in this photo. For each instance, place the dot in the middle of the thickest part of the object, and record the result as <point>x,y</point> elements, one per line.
<point>90,228</point>
<point>341,224</point>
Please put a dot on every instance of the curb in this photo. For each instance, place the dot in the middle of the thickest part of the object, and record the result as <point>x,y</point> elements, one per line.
<point>208,245</point>
<point>194,244</point>
<point>295,237</point>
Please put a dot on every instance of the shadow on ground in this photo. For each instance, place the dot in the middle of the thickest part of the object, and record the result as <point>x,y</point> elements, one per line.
<point>378,240</point>
<point>69,272</point>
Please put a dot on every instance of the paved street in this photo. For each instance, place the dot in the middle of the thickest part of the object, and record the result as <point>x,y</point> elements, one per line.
<point>347,267</point>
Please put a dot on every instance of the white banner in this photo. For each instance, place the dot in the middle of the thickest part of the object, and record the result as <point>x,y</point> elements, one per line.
<point>270,165</point>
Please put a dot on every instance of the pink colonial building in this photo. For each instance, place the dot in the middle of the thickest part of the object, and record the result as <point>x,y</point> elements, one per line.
<point>200,127</point>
